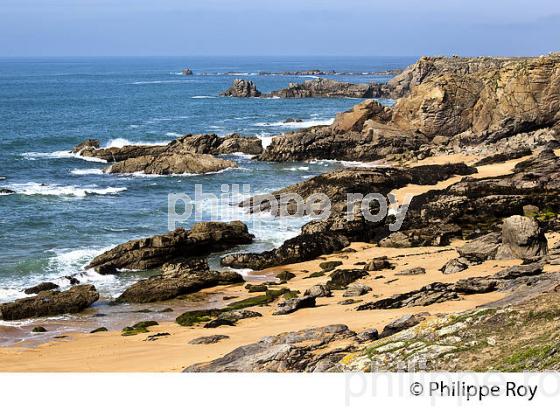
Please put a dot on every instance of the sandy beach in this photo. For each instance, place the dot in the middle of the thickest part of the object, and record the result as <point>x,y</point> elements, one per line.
<point>112,352</point>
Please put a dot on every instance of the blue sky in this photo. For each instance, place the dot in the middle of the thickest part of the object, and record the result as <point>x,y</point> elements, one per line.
<point>281,27</point>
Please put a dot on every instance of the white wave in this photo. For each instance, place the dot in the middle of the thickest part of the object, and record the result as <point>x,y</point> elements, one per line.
<point>60,155</point>
<point>9,294</point>
<point>297,169</point>
<point>294,125</point>
<point>357,164</point>
<point>121,142</point>
<point>33,188</point>
<point>173,134</point>
<point>242,155</point>
<point>202,97</point>
<point>87,171</point>
<point>266,139</point>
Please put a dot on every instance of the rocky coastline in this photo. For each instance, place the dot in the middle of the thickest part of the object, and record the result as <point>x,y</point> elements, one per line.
<point>473,141</point>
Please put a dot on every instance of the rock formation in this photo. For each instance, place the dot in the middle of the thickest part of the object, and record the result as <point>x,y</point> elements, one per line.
<point>326,88</point>
<point>170,164</point>
<point>291,351</point>
<point>172,284</point>
<point>242,88</point>
<point>50,303</point>
<point>522,238</point>
<point>457,102</point>
<point>202,239</point>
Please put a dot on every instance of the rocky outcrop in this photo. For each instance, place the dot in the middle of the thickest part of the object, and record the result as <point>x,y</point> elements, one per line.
<point>298,249</point>
<point>437,292</point>
<point>445,103</point>
<point>242,88</point>
<point>212,144</point>
<point>186,71</point>
<point>87,144</point>
<point>202,239</point>
<point>299,351</point>
<point>522,238</point>
<point>172,284</point>
<point>171,164</point>
<point>326,88</point>
<point>50,303</point>
<point>477,206</point>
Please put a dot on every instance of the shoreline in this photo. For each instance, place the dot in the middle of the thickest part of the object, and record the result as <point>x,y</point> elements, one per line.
<point>109,351</point>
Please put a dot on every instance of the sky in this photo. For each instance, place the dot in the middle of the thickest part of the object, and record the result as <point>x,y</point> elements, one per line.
<point>278,28</point>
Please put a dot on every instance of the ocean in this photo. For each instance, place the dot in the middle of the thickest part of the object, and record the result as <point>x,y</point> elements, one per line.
<point>65,210</point>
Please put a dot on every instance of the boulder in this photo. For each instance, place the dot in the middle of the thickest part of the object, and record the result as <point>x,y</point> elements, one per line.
<point>242,88</point>
<point>291,305</point>
<point>318,291</point>
<point>50,303</point>
<point>403,323</point>
<point>455,265</point>
<point>186,71</point>
<point>522,238</point>
<point>482,248</point>
<point>380,263</point>
<point>355,290</point>
<point>341,278</point>
<point>203,238</point>
<point>40,288</point>
<point>367,335</point>
<point>329,265</point>
<point>213,144</point>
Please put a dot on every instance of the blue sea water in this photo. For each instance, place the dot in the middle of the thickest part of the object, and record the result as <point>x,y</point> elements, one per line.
<point>65,211</point>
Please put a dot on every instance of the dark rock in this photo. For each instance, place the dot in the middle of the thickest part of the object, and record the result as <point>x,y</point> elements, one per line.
<point>412,272</point>
<point>5,191</point>
<point>504,156</point>
<point>285,276</point>
<point>40,288</point>
<point>402,323</point>
<point>379,263</point>
<point>39,329</point>
<point>349,301</point>
<point>256,288</point>
<point>219,322</point>
<point>171,285</point>
<point>100,329</point>
<point>367,335</point>
<point>186,71</point>
<point>194,317</point>
<point>330,265</point>
<point>341,278</point>
<point>206,340</point>
<point>291,305</point>
<point>455,265</point>
<point>157,336</point>
<point>50,303</point>
<point>298,249</point>
<point>236,315</point>
<point>242,88</point>
<point>147,253</point>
